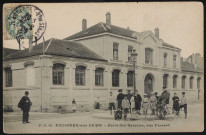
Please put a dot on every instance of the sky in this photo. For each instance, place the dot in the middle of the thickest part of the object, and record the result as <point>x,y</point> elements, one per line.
<point>180,23</point>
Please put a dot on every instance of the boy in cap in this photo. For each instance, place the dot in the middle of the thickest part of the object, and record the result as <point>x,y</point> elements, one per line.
<point>145,104</point>
<point>120,97</point>
<point>125,106</point>
<point>25,105</point>
<point>111,102</point>
<point>129,95</point>
<point>183,103</point>
<point>153,103</point>
<point>138,100</point>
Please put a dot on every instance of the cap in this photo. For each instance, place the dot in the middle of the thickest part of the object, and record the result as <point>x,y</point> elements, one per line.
<point>120,90</point>
<point>155,92</point>
<point>183,92</point>
<point>26,92</point>
<point>128,90</point>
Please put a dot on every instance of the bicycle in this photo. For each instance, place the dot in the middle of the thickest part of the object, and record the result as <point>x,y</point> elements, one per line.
<point>168,111</point>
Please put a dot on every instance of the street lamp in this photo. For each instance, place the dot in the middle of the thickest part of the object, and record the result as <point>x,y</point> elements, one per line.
<point>134,57</point>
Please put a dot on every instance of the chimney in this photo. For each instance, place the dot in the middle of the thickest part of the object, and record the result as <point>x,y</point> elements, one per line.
<point>84,24</point>
<point>30,45</point>
<point>157,32</point>
<point>108,20</point>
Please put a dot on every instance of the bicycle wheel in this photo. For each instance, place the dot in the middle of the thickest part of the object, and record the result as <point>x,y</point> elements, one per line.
<point>149,113</point>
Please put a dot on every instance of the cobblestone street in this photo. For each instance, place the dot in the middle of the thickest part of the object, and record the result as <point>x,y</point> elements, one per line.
<point>102,121</point>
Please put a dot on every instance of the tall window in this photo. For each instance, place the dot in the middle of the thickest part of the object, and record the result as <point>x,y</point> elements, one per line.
<point>30,75</point>
<point>165,59</point>
<point>115,51</point>
<point>174,60</point>
<point>191,82</point>
<point>198,82</point>
<point>183,82</point>
<point>80,75</point>
<point>99,77</point>
<point>115,78</point>
<point>165,80</point>
<point>175,81</point>
<point>130,48</point>
<point>58,74</point>
<point>8,77</point>
<point>148,56</point>
<point>130,78</point>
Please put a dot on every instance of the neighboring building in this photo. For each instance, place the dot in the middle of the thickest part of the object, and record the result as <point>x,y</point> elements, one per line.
<point>95,61</point>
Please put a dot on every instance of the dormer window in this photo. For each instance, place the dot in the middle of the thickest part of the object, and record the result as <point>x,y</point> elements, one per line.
<point>165,59</point>
<point>174,61</point>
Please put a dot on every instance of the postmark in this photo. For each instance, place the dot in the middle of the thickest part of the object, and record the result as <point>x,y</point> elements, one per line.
<point>24,22</point>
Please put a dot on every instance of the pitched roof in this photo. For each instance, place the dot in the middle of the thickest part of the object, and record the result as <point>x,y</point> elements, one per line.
<point>58,47</point>
<point>102,28</point>
<point>168,45</point>
<point>186,66</point>
<point>7,51</point>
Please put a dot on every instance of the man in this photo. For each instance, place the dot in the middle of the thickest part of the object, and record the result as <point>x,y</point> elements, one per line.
<point>153,103</point>
<point>25,105</point>
<point>183,103</point>
<point>111,102</point>
<point>120,97</point>
<point>175,99</point>
<point>163,100</point>
<point>129,95</point>
<point>156,95</point>
<point>138,100</point>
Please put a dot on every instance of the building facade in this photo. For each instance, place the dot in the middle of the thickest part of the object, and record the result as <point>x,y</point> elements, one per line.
<point>94,62</point>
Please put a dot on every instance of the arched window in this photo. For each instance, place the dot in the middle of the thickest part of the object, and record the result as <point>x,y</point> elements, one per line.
<point>165,80</point>
<point>58,74</point>
<point>175,81</point>
<point>148,56</point>
<point>148,84</point>
<point>191,82</point>
<point>80,75</point>
<point>8,77</point>
<point>183,82</point>
<point>174,61</point>
<point>198,82</point>
<point>165,59</point>
<point>99,77</point>
<point>130,79</point>
<point>115,78</point>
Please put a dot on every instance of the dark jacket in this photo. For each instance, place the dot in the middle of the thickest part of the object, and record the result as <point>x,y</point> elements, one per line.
<point>25,103</point>
<point>165,96</point>
<point>120,96</point>
<point>138,98</point>
<point>129,95</point>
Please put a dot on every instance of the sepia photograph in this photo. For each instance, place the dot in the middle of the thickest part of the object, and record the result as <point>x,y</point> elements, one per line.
<point>112,67</point>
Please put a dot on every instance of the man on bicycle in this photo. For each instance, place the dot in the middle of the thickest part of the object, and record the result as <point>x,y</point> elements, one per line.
<point>163,100</point>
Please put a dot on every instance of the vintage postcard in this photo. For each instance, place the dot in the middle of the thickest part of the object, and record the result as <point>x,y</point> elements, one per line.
<point>103,67</point>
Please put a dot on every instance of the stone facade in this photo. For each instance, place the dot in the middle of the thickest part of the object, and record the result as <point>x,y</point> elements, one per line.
<point>34,73</point>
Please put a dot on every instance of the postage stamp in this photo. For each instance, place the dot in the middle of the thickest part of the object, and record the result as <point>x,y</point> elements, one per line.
<point>24,22</point>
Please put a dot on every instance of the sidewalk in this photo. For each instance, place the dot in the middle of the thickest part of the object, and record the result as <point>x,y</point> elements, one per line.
<point>17,116</point>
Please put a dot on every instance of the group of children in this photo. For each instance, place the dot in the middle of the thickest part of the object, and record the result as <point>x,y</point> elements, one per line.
<point>129,105</point>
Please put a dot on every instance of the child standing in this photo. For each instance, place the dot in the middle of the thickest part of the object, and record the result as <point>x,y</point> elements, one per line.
<point>133,112</point>
<point>145,104</point>
<point>125,106</point>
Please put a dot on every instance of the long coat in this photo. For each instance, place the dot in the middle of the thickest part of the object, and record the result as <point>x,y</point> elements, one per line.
<point>175,102</point>
<point>138,100</point>
<point>25,103</point>
<point>120,97</point>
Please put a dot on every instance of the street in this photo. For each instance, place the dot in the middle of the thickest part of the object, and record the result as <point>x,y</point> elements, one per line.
<point>103,122</point>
